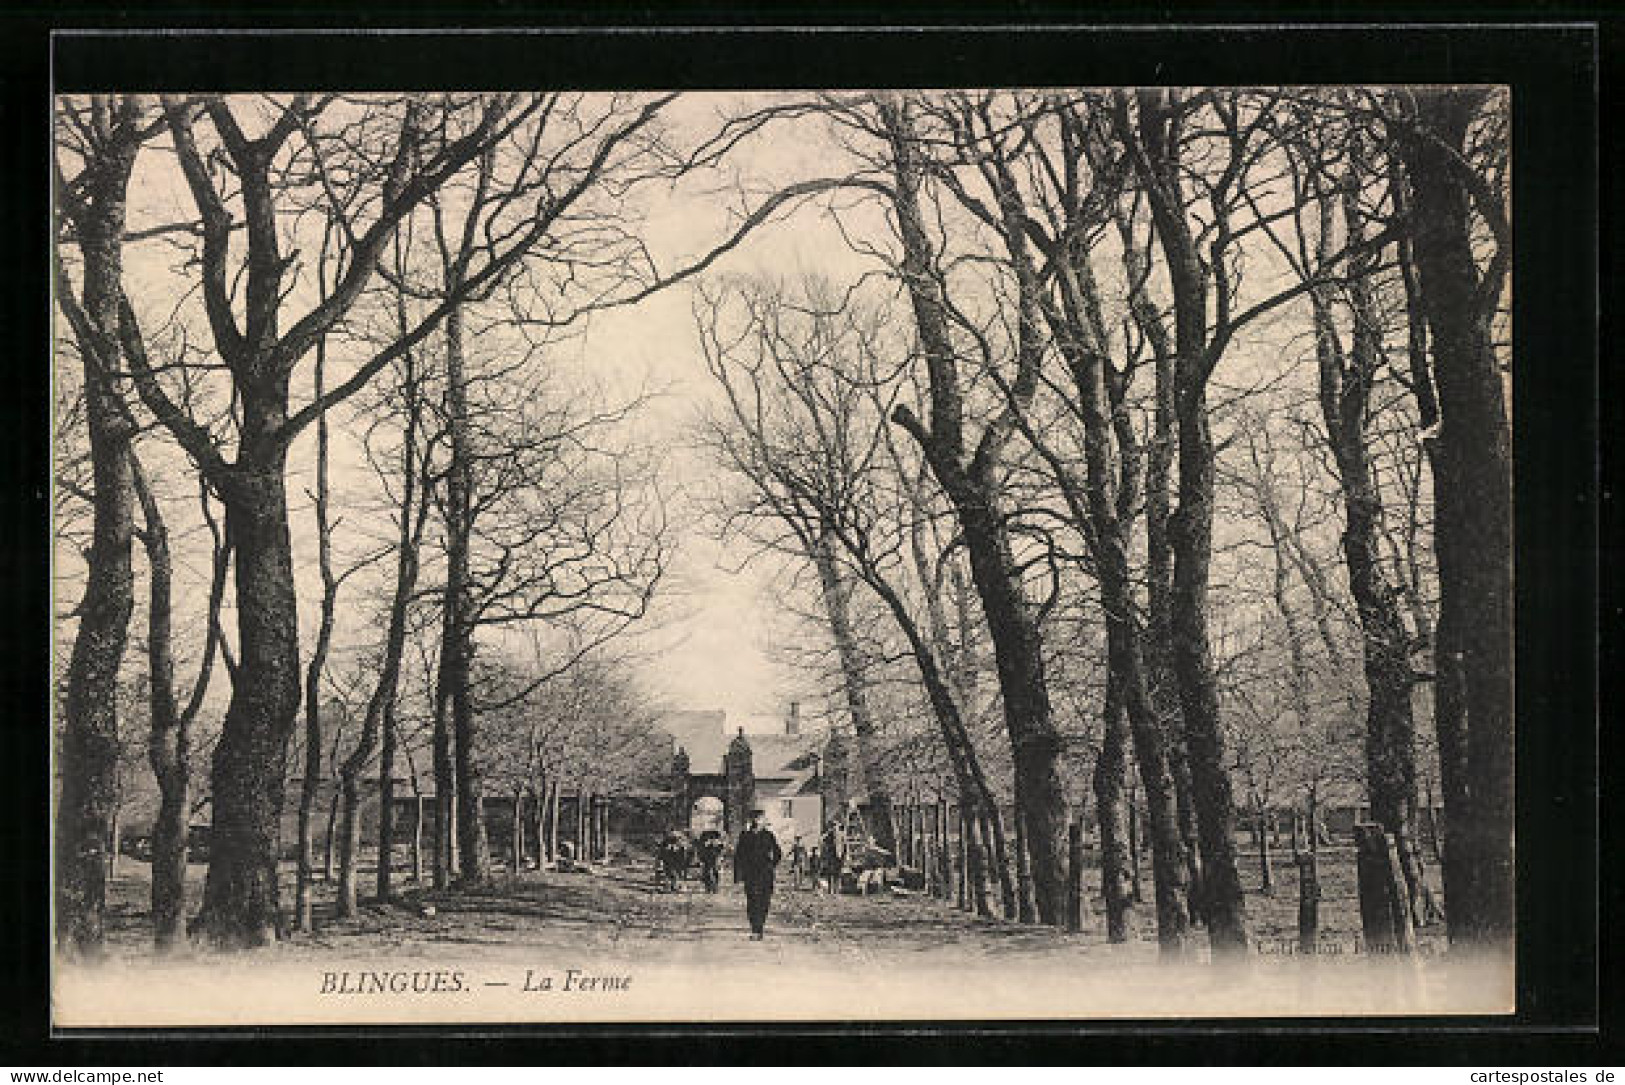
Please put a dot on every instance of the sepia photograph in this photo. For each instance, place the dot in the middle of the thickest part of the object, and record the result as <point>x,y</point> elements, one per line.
<point>951,554</point>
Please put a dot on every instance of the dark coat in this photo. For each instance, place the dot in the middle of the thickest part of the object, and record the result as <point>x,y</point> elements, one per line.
<point>755,856</point>
<point>673,855</point>
<point>829,853</point>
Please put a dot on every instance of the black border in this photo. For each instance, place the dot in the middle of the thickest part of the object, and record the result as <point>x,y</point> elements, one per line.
<point>1553,70</point>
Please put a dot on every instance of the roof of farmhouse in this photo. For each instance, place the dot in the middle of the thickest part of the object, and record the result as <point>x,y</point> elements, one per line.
<point>780,746</point>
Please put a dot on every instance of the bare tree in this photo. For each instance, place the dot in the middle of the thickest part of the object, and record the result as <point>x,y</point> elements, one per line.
<point>259,357</point>
<point>808,399</point>
<point>1063,144</point>
<point>368,164</point>
<point>1453,146</point>
<point>1161,132</point>
<point>412,513</point>
<point>1348,384</point>
<point>835,592</point>
<point>331,581</point>
<point>169,745</point>
<point>967,471</point>
<point>104,136</point>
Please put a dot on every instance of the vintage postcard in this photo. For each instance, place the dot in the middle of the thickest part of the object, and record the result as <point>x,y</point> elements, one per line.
<point>841,555</point>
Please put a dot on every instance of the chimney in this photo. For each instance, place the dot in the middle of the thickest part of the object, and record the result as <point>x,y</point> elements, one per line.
<point>792,725</point>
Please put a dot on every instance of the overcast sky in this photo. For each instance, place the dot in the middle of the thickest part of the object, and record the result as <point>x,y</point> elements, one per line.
<point>714,645</point>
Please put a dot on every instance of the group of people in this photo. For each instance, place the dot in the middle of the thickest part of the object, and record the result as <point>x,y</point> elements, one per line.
<point>819,866</point>
<point>676,857</point>
<point>757,855</point>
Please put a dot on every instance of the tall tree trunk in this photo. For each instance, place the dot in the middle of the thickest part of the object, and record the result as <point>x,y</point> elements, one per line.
<point>548,840</point>
<point>88,759</point>
<point>854,681</point>
<point>995,847</point>
<point>962,861</point>
<point>1308,892</point>
<point>516,834</point>
<point>928,853</point>
<point>1346,378</point>
<point>902,833</point>
<point>169,750</point>
<point>976,858</point>
<point>1074,874</point>
<point>1165,699</point>
<point>1157,639</point>
<point>1035,743</point>
<point>329,851</point>
<point>1472,491</point>
<point>385,887</point>
<point>1169,872</point>
<point>1191,529</point>
<point>453,669</point>
<point>417,836</point>
<point>1104,500</point>
<point>445,787</point>
<point>1198,688</point>
<point>1266,879</point>
<point>947,705</point>
<point>169,742</point>
<point>1299,683</point>
<point>1434,843</point>
<point>1024,876</point>
<point>1111,808</point>
<point>1313,813</point>
<point>457,649</point>
<point>113,830</point>
<point>318,663</point>
<point>380,712</point>
<point>310,782</point>
<point>553,821</point>
<point>540,829</point>
<point>971,487</point>
<point>380,716</point>
<point>1134,837</point>
<point>240,893</point>
<point>90,736</point>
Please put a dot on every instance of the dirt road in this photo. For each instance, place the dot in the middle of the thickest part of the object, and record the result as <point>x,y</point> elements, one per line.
<point>605,946</point>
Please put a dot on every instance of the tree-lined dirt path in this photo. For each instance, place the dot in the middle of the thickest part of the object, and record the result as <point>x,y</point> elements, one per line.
<point>617,904</point>
<point>607,946</point>
<point>617,907</point>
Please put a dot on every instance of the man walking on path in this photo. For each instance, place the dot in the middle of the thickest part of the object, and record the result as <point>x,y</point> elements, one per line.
<point>831,858</point>
<point>755,856</point>
<point>798,862</point>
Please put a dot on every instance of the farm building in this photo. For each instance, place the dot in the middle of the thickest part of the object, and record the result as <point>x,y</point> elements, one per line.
<point>721,770</point>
